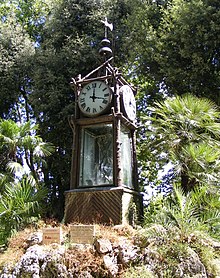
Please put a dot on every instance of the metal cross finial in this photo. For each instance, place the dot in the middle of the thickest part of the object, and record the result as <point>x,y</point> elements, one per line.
<point>107,25</point>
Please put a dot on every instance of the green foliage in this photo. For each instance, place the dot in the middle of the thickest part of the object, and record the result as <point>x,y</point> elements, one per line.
<point>185,131</point>
<point>198,210</point>
<point>170,252</point>
<point>176,44</point>
<point>139,271</point>
<point>209,258</point>
<point>16,51</point>
<point>22,192</point>
<point>28,14</point>
<point>44,44</point>
<point>20,204</point>
<point>168,256</point>
<point>20,142</point>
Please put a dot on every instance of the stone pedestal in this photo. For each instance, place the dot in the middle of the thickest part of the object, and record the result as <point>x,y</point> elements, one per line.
<point>103,205</point>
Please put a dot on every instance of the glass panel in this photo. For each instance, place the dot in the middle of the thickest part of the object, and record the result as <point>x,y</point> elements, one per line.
<point>96,157</point>
<point>126,157</point>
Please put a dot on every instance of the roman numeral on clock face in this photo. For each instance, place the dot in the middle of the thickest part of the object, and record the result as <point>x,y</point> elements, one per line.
<point>83,105</point>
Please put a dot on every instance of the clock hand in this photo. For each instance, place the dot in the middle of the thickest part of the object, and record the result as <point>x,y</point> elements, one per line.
<point>100,97</point>
<point>93,97</point>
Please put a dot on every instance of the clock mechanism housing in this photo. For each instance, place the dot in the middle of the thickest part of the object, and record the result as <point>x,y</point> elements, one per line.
<point>104,165</point>
<point>128,102</point>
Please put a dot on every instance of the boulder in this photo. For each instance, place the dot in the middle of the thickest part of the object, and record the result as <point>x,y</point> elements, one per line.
<point>128,253</point>
<point>39,261</point>
<point>191,266</point>
<point>35,238</point>
<point>103,246</point>
<point>110,263</point>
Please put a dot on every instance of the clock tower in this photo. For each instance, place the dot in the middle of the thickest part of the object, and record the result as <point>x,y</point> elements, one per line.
<point>103,185</point>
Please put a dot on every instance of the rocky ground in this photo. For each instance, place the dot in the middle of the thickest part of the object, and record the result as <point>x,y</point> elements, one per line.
<point>115,250</point>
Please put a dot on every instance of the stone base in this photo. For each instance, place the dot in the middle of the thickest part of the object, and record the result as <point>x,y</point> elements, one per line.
<point>103,205</point>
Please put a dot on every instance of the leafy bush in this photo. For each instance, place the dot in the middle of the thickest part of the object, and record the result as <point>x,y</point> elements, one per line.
<point>20,204</point>
<point>196,210</point>
<point>181,227</point>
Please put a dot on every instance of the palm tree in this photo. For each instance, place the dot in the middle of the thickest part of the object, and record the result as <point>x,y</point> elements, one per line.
<point>198,210</point>
<point>20,144</point>
<point>20,204</point>
<point>186,131</point>
<point>21,197</point>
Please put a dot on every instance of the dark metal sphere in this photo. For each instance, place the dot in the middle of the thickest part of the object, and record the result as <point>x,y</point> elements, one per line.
<point>105,51</point>
<point>105,42</point>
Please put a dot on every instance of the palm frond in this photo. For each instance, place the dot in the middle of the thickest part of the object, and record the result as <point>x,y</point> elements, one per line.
<point>15,167</point>
<point>43,149</point>
<point>19,204</point>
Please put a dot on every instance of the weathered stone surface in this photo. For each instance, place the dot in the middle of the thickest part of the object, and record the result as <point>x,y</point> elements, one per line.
<point>29,263</point>
<point>128,253</point>
<point>191,265</point>
<point>216,245</point>
<point>110,263</point>
<point>107,258</point>
<point>103,246</point>
<point>38,261</point>
<point>6,273</point>
<point>35,238</point>
<point>150,258</point>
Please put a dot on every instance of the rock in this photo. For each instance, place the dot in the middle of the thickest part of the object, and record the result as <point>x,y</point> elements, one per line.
<point>216,245</point>
<point>128,253</point>
<point>191,266</point>
<point>111,265</point>
<point>35,238</point>
<point>103,246</point>
<point>150,258</point>
<point>188,265</point>
<point>29,263</point>
<point>40,262</point>
<point>6,273</point>
<point>110,258</point>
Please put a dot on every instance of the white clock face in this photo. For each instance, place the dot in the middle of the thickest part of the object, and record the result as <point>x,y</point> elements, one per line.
<point>95,98</point>
<point>128,102</point>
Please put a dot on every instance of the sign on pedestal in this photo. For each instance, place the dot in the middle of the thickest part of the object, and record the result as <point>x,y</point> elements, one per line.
<point>82,234</point>
<point>52,235</point>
